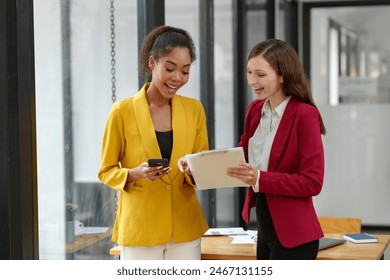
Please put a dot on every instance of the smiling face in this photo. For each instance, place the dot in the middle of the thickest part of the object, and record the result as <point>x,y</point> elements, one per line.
<point>170,72</point>
<point>263,79</point>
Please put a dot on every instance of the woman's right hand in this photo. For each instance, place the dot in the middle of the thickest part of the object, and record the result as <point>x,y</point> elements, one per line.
<point>144,171</point>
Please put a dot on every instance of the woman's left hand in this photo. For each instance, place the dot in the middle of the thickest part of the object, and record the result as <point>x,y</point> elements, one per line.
<point>183,166</point>
<point>245,173</point>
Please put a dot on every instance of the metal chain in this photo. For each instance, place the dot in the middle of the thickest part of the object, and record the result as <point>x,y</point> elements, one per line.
<point>113,62</point>
<point>113,78</point>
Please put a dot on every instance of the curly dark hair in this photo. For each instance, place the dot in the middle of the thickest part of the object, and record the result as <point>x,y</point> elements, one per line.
<point>159,42</point>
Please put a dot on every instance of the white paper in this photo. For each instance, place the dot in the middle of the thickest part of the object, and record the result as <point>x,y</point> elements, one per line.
<point>208,168</point>
<point>249,238</point>
<point>238,234</point>
<point>244,239</point>
<point>226,231</point>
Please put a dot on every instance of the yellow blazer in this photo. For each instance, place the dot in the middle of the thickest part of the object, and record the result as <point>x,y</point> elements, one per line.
<point>152,213</point>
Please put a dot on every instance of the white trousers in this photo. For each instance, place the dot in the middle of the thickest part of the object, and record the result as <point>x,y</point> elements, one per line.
<point>169,251</point>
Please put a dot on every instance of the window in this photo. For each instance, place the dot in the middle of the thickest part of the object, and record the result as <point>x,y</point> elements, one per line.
<point>73,59</point>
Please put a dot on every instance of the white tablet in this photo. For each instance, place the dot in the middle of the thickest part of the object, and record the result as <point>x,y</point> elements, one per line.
<point>209,168</point>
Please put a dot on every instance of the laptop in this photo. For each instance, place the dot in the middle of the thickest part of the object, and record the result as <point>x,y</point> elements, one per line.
<point>329,242</point>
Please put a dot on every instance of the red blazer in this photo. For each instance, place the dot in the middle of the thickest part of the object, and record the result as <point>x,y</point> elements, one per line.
<point>295,172</point>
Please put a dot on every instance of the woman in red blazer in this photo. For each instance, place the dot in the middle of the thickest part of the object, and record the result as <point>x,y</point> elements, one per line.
<point>283,147</point>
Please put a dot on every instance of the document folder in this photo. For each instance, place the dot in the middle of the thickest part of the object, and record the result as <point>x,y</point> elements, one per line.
<point>208,168</point>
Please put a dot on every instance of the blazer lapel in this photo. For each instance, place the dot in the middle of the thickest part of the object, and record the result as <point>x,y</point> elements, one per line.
<point>145,124</point>
<point>179,126</point>
<point>148,134</point>
<point>282,135</point>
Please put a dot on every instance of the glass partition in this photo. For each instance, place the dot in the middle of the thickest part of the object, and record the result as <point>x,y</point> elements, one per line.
<point>357,58</point>
<point>349,63</point>
<point>85,56</point>
<point>223,75</point>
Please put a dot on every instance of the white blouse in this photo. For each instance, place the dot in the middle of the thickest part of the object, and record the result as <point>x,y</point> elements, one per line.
<point>260,143</point>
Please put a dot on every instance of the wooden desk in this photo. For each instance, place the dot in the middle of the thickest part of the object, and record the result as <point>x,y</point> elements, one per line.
<point>211,249</point>
<point>85,240</point>
<point>220,248</point>
<point>351,251</point>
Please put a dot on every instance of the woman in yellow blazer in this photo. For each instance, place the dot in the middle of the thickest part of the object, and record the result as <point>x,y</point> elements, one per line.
<point>159,215</point>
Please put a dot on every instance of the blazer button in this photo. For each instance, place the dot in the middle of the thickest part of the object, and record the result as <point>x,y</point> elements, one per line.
<point>169,187</point>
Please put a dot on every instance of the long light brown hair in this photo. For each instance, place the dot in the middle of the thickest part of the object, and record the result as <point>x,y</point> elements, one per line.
<point>285,61</point>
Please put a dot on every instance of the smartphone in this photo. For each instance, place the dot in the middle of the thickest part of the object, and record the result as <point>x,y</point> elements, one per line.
<point>155,162</point>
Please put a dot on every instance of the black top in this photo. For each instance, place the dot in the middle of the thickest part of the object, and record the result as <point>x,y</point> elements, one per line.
<point>165,141</point>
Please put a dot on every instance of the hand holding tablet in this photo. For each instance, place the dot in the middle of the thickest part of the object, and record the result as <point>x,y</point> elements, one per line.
<point>209,168</point>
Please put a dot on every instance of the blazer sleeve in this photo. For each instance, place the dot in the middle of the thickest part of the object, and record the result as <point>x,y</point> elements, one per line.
<point>110,172</point>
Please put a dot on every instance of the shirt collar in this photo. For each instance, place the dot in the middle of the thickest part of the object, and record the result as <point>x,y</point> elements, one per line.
<point>278,110</point>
